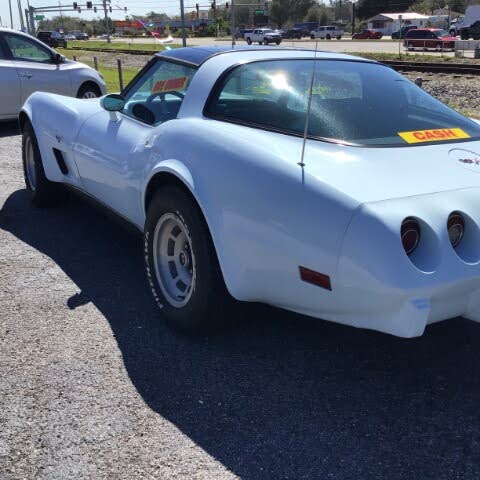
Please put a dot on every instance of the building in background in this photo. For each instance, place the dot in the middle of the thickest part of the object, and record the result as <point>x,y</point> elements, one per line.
<point>390,22</point>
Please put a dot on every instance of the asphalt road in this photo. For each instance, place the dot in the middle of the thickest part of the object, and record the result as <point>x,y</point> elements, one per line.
<point>343,45</point>
<point>92,385</point>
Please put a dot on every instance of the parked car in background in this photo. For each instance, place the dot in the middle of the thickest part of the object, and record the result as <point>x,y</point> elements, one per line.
<point>473,31</point>
<point>376,225</point>
<point>241,33</point>
<point>293,33</point>
<point>472,14</point>
<point>27,66</point>
<point>367,34</point>
<point>429,38</point>
<point>263,35</point>
<point>52,39</point>
<point>82,36</point>
<point>401,33</point>
<point>326,33</point>
<point>70,36</point>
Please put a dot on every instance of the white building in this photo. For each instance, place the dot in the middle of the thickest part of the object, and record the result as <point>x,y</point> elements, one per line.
<point>390,22</point>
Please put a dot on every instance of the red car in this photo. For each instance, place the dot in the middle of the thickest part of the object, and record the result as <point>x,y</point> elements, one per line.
<point>425,38</point>
<point>367,34</point>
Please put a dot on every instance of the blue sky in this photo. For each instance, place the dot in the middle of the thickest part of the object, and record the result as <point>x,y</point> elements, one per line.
<point>135,7</point>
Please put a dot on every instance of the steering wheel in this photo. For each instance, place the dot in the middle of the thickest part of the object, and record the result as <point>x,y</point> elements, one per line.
<point>163,103</point>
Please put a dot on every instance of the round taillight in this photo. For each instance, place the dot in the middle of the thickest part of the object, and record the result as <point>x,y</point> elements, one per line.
<point>456,228</point>
<point>410,233</point>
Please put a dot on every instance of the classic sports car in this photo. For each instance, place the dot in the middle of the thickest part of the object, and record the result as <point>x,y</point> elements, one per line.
<point>358,215</point>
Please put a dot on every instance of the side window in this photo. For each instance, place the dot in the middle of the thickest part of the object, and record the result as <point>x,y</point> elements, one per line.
<point>157,96</point>
<point>27,50</point>
<point>275,94</point>
<point>3,55</point>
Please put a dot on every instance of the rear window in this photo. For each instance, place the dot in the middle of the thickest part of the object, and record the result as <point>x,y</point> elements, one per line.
<point>353,102</point>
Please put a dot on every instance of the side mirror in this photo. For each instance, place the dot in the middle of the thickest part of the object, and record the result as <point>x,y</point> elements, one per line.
<point>58,59</point>
<point>113,103</point>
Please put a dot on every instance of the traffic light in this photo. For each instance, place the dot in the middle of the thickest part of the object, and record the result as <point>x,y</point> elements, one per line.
<point>126,9</point>
<point>89,4</point>
<point>94,9</point>
<point>214,6</point>
<point>197,6</point>
<point>110,9</point>
<point>226,5</point>
<point>79,9</point>
<point>75,5</point>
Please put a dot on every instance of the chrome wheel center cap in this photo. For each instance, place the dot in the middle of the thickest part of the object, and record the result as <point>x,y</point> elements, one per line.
<point>184,259</point>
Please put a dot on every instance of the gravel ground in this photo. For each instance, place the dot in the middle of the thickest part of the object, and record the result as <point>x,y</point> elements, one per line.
<point>459,91</point>
<point>93,386</point>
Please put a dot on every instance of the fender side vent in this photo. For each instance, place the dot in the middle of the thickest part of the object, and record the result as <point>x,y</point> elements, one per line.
<point>60,160</point>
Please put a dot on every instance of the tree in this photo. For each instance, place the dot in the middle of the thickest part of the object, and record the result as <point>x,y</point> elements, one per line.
<point>280,12</point>
<point>300,8</point>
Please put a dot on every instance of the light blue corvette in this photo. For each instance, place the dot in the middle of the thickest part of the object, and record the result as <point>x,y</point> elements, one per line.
<point>321,183</point>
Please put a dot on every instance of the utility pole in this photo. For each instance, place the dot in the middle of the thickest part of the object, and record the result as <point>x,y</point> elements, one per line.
<point>61,15</point>
<point>11,16</point>
<point>20,14</point>
<point>182,16</point>
<point>106,20</point>
<point>31,12</point>
<point>233,23</point>
<point>353,18</point>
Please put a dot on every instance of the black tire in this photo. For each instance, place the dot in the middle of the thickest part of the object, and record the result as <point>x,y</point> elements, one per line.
<point>278,42</point>
<point>339,37</point>
<point>249,41</point>
<point>328,37</point>
<point>43,192</point>
<point>208,304</point>
<point>312,37</point>
<point>89,88</point>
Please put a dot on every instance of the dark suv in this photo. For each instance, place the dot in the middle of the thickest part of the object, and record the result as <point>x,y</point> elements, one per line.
<point>401,33</point>
<point>472,31</point>
<point>52,39</point>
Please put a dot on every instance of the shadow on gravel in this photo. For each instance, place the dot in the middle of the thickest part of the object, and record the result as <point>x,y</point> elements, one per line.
<point>281,396</point>
<point>9,129</point>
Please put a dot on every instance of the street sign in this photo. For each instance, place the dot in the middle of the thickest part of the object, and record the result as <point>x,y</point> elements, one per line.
<point>39,17</point>
<point>259,12</point>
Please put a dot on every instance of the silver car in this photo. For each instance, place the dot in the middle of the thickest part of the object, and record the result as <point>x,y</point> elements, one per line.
<point>27,66</point>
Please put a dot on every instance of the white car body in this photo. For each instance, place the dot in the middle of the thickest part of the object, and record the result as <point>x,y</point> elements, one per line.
<point>21,77</point>
<point>339,214</point>
<point>327,33</point>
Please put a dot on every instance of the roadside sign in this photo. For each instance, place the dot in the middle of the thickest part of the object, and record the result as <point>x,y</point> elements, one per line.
<point>259,12</point>
<point>39,17</point>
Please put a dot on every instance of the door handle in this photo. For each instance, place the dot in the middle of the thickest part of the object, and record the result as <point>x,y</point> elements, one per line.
<point>26,75</point>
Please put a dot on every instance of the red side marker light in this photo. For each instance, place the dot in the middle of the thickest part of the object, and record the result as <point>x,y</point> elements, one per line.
<point>315,278</point>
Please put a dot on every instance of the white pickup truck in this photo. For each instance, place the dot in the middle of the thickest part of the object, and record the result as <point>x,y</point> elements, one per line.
<point>264,35</point>
<point>326,32</point>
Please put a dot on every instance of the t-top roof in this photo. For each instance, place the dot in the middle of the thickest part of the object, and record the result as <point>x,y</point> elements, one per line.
<point>197,55</point>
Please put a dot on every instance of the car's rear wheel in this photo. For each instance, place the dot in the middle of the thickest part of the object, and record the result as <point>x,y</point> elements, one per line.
<point>278,42</point>
<point>328,37</point>
<point>89,90</point>
<point>339,37</point>
<point>312,37</point>
<point>43,192</point>
<point>181,263</point>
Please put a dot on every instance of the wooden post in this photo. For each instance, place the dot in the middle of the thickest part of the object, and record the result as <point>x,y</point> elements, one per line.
<point>74,58</point>
<point>95,63</point>
<point>120,74</point>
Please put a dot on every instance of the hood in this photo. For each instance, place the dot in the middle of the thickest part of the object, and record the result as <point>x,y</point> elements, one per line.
<point>448,38</point>
<point>375,174</point>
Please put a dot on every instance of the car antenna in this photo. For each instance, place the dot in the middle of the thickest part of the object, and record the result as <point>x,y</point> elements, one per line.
<point>309,107</point>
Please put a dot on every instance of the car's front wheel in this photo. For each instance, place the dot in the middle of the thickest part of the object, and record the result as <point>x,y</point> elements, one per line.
<point>89,90</point>
<point>181,263</point>
<point>43,192</point>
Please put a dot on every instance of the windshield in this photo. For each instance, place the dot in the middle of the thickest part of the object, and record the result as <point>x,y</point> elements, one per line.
<point>355,102</point>
<point>441,33</point>
<point>267,31</point>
